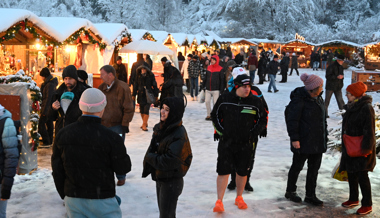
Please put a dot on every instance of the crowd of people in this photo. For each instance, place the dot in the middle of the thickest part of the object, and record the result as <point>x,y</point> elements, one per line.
<point>91,123</point>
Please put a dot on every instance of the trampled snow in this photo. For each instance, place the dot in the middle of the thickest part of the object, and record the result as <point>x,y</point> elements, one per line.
<point>35,195</point>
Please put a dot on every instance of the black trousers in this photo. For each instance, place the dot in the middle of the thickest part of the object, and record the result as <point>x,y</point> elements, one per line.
<point>187,81</point>
<point>284,73</point>
<point>356,179</point>
<point>167,196</point>
<point>261,75</point>
<point>46,129</point>
<point>313,165</point>
<point>291,71</point>
<point>338,97</point>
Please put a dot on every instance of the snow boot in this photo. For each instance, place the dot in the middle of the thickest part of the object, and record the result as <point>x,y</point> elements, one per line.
<point>313,200</point>
<point>293,196</point>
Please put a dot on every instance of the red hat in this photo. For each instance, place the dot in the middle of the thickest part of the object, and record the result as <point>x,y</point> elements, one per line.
<point>357,89</point>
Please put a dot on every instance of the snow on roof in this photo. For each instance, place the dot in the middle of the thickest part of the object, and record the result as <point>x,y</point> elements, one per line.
<point>111,30</point>
<point>137,34</point>
<point>190,38</point>
<point>66,26</point>
<point>216,37</point>
<point>209,39</point>
<point>236,40</point>
<point>339,41</point>
<point>200,37</point>
<point>265,41</point>
<point>296,40</point>
<point>160,36</point>
<point>179,38</point>
<point>371,43</point>
<point>10,16</point>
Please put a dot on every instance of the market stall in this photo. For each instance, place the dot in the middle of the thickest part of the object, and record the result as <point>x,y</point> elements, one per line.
<point>372,56</point>
<point>303,50</point>
<point>348,49</point>
<point>238,43</point>
<point>267,44</point>
<point>214,41</point>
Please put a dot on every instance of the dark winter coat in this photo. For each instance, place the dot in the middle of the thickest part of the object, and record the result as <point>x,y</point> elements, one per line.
<point>306,122</point>
<point>121,72</point>
<point>149,61</point>
<point>284,63</point>
<point>134,68</point>
<point>324,56</point>
<point>173,82</point>
<point>194,68</point>
<point>85,157</point>
<point>214,80</point>
<point>9,154</point>
<point>294,62</point>
<point>73,112</point>
<point>239,58</point>
<point>239,119</point>
<point>273,67</point>
<point>359,120</point>
<point>167,156</point>
<point>48,88</point>
<point>332,72</point>
<point>315,57</point>
<point>142,82</point>
<point>229,53</point>
<point>262,66</point>
<point>330,57</point>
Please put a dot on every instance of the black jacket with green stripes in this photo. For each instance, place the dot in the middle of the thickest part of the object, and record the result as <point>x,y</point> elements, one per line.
<point>241,119</point>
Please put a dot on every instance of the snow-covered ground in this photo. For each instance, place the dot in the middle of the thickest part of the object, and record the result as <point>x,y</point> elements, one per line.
<point>35,195</point>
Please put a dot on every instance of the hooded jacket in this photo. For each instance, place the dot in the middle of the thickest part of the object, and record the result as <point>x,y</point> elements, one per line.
<point>214,79</point>
<point>239,119</point>
<point>294,62</point>
<point>359,120</point>
<point>9,155</point>
<point>140,61</point>
<point>48,88</point>
<point>306,122</point>
<point>332,72</point>
<point>142,82</point>
<point>173,82</point>
<point>121,72</point>
<point>169,154</point>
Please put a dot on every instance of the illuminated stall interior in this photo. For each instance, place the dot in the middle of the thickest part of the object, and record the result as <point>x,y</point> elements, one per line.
<point>372,56</point>
<point>303,50</point>
<point>342,47</point>
<point>238,43</point>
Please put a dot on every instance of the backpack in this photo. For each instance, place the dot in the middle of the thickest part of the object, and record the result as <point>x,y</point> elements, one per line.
<point>17,124</point>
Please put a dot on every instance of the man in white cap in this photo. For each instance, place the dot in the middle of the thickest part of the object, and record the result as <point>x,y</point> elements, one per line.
<point>8,157</point>
<point>85,157</point>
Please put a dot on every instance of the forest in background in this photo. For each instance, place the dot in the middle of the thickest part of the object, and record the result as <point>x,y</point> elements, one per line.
<point>316,20</point>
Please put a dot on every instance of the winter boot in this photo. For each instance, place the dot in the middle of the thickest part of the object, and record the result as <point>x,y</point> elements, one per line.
<point>293,196</point>
<point>232,185</point>
<point>248,186</point>
<point>313,200</point>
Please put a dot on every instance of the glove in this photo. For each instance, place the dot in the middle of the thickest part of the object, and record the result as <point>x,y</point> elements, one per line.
<point>125,129</point>
<point>263,133</point>
<point>216,137</point>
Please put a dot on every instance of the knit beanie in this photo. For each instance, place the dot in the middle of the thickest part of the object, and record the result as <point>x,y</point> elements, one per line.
<point>238,71</point>
<point>45,72</point>
<point>357,89</point>
<point>70,71</point>
<point>82,74</point>
<point>231,63</point>
<point>311,81</point>
<point>92,101</point>
<point>164,59</point>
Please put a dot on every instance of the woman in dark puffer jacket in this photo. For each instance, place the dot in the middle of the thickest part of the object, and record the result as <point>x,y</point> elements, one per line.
<point>359,120</point>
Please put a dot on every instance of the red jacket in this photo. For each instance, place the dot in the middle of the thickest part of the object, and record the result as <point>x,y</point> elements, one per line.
<point>252,60</point>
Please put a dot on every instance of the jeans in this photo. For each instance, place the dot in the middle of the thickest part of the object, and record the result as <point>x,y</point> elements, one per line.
<point>46,129</point>
<point>272,82</point>
<point>208,95</point>
<point>83,208</point>
<point>3,207</point>
<point>338,97</point>
<point>119,130</point>
<point>313,165</point>
<point>324,64</point>
<point>252,75</point>
<point>315,65</point>
<point>167,196</point>
<point>356,179</point>
<point>194,86</point>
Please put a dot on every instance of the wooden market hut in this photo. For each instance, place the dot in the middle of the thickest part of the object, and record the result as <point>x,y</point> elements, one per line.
<point>342,47</point>
<point>302,49</point>
<point>266,44</point>
<point>372,56</point>
<point>237,43</point>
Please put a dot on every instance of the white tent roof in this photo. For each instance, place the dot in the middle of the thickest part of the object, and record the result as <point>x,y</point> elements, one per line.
<point>66,26</point>
<point>137,34</point>
<point>111,30</point>
<point>339,41</point>
<point>160,36</point>
<point>179,38</point>
<point>9,17</point>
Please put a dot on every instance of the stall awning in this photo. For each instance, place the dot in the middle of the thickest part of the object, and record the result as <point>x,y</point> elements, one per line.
<point>337,42</point>
<point>111,31</point>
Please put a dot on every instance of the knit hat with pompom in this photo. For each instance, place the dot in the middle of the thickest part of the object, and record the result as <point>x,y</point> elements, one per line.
<point>311,81</point>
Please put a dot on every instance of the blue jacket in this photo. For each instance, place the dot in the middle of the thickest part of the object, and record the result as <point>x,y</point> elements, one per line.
<point>8,155</point>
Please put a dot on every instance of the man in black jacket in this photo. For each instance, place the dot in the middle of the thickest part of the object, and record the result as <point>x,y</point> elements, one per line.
<point>65,107</point>
<point>334,82</point>
<point>85,157</point>
<point>238,117</point>
<point>307,128</point>
<point>173,81</point>
<point>45,124</point>
<point>273,68</point>
<point>284,65</point>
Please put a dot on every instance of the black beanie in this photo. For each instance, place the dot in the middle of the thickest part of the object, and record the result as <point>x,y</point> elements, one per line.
<point>70,71</point>
<point>242,80</point>
<point>45,72</point>
<point>164,59</point>
<point>82,74</point>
